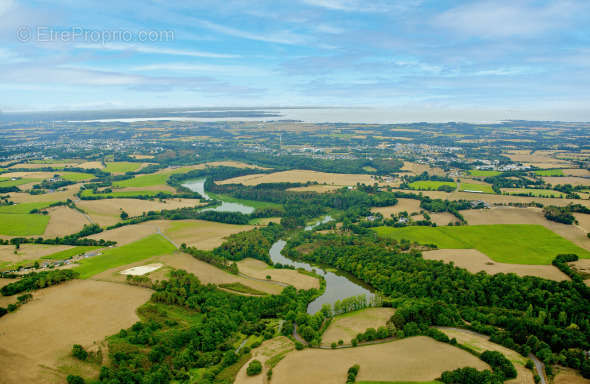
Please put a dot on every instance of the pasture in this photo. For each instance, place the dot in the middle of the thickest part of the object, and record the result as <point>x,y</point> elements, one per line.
<point>429,185</point>
<point>23,207</point>
<point>76,176</point>
<point>484,188</point>
<point>150,246</point>
<point>122,167</point>
<point>533,192</point>
<point>122,194</point>
<point>483,173</point>
<point>22,224</point>
<point>505,243</point>
<point>6,182</point>
<point>401,360</point>
<point>474,261</point>
<point>36,338</point>
<point>549,172</point>
<point>345,327</point>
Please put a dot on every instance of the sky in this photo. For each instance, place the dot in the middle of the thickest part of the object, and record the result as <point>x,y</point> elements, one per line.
<point>532,57</point>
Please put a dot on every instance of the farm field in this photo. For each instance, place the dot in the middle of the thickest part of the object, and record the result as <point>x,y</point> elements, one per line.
<point>506,243</point>
<point>128,233</point>
<point>576,172</point>
<point>301,176</point>
<point>6,182</point>
<point>108,211</point>
<point>120,193</point>
<point>29,252</point>
<point>567,180</point>
<point>259,270</point>
<point>64,221</point>
<point>208,274</point>
<point>483,173</point>
<point>153,245</point>
<point>503,199</point>
<point>408,205</point>
<point>37,336</point>
<point>429,185</point>
<point>443,218</point>
<point>201,234</point>
<point>532,215</point>
<point>315,188</point>
<point>400,360</point>
<point>481,343</point>
<point>417,169</point>
<point>62,194</point>
<point>474,261</point>
<point>569,376</point>
<point>122,167</point>
<point>250,203</point>
<point>533,192</point>
<point>76,176</point>
<point>22,224</point>
<point>23,207</point>
<point>345,327</point>
<point>484,188</point>
<point>549,172</point>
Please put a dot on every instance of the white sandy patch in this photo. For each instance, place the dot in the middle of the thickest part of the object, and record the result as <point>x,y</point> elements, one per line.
<point>142,270</point>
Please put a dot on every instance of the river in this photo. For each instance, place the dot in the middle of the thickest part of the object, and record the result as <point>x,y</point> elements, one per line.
<point>338,285</point>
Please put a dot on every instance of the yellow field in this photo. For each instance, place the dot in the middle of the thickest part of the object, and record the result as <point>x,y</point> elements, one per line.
<point>64,221</point>
<point>315,188</point>
<point>301,176</point>
<point>567,180</point>
<point>413,359</point>
<point>201,234</point>
<point>475,261</point>
<point>268,349</point>
<point>481,344</point>
<point>540,159</point>
<point>408,205</point>
<point>442,218</point>
<point>512,215</point>
<point>576,172</point>
<point>129,233</point>
<point>417,169</point>
<point>346,327</point>
<point>34,338</point>
<point>209,274</point>
<point>569,376</point>
<point>62,194</point>
<point>260,270</point>
<point>29,252</point>
<point>108,211</point>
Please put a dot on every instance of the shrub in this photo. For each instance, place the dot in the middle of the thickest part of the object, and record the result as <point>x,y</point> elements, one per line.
<point>499,363</point>
<point>75,379</point>
<point>352,372</point>
<point>254,368</point>
<point>79,352</point>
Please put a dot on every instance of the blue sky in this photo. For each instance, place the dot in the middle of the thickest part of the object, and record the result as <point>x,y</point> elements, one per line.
<point>459,55</point>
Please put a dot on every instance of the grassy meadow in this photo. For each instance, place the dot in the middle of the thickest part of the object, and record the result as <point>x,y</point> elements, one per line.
<point>482,173</point>
<point>145,248</point>
<point>504,243</point>
<point>22,224</point>
<point>121,167</point>
<point>484,188</point>
<point>429,185</point>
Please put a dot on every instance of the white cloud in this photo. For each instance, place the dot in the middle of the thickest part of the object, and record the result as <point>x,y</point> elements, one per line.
<point>508,18</point>
<point>187,67</point>
<point>5,6</point>
<point>364,6</point>
<point>154,50</point>
<point>281,37</point>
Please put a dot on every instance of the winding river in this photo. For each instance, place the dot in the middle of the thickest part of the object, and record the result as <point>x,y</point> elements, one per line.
<point>338,285</point>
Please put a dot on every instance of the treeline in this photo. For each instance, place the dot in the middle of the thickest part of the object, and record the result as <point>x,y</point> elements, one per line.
<point>558,313</point>
<point>211,258</point>
<point>78,238</point>
<point>37,280</point>
<point>564,214</point>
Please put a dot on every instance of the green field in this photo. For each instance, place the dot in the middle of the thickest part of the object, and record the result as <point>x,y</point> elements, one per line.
<point>429,185</point>
<point>22,224</point>
<point>533,192</point>
<point>504,243</point>
<point>485,188</point>
<point>89,193</point>
<point>150,180</point>
<point>6,182</point>
<point>63,255</point>
<point>145,248</point>
<point>122,167</point>
<point>482,173</point>
<point>250,203</point>
<point>76,176</point>
<point>549,172</point>
<point>24,207</point>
